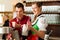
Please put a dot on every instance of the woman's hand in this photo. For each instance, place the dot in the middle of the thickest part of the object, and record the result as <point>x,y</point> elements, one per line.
<point>39,33</point>
<point>9,36</point>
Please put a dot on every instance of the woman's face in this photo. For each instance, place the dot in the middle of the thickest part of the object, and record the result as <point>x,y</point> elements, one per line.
<point>19,12</point>
<point>6,17</point>
<point>35,9</point>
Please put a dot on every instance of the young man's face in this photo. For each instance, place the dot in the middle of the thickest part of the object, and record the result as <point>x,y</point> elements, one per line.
<point>19,12</point>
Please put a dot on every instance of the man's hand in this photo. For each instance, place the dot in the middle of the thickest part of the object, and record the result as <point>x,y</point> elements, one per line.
<point>17,25</point>
<point>29,25</point>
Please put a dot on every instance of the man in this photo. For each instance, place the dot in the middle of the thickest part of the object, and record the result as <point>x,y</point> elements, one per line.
<point>20,19</point>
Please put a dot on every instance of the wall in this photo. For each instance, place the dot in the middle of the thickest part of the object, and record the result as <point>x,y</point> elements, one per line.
<point>7,7</point>
<point>9,4</point>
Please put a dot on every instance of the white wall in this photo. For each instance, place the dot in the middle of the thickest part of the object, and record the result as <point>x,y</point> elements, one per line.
<point>9,4</point>
<point>40,0</point>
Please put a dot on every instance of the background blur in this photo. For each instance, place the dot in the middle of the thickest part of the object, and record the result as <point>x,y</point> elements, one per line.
<point>50,9</point>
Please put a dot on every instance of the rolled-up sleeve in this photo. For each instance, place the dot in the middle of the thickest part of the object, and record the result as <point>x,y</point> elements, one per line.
<point>42,24</point>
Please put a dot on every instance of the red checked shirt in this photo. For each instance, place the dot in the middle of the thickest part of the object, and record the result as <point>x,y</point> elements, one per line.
<point>22,21</point>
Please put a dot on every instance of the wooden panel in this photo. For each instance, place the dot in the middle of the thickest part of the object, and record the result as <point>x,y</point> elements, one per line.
<point>51,3</point>
<point>55,28</point>
<point>45,3</point>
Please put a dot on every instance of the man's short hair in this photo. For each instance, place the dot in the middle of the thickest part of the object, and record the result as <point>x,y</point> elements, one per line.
<point>19,5</point>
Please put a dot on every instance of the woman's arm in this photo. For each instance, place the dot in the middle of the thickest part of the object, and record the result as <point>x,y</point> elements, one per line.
<point>41,34</point>
<point>42,28</point>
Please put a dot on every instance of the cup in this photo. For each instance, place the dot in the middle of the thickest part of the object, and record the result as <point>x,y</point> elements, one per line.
<point>13,24</point>
<point>25,30</point>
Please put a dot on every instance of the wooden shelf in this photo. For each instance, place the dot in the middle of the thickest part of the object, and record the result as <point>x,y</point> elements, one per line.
<point>44,13</point>
<point>6,12</point>
<point>50,13</point>
<point>54,24</point>
<point>55,28</point>
<point>45,3</point>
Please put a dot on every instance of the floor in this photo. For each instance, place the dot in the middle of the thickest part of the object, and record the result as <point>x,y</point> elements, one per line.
<point>54,38</point>
<point>50,38</point>
<point>0,37</point>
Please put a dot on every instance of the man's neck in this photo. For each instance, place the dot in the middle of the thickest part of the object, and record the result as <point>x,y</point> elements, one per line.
<point>19,18</point>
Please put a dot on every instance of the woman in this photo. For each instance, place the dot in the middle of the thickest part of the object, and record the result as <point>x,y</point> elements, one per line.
<point>38,27</point>
<point>6,24</point>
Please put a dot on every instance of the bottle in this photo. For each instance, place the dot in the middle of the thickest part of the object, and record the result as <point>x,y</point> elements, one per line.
<point>46,37</point>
